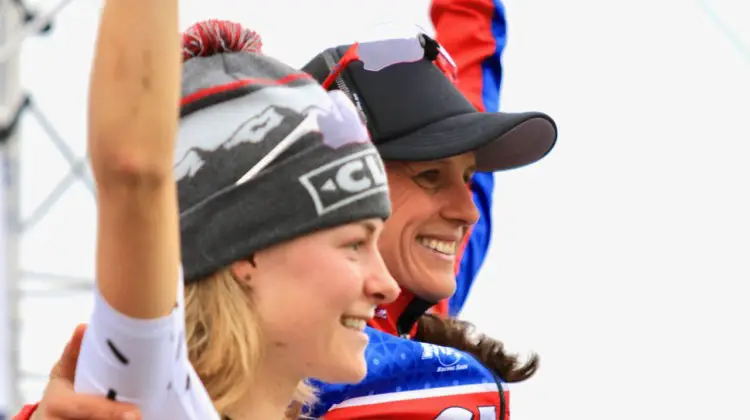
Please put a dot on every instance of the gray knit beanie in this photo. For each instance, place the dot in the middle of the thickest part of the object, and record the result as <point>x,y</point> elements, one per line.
<point>264,153</point>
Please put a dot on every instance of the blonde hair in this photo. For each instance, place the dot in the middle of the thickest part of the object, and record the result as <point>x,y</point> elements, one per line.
<point>223,336</point>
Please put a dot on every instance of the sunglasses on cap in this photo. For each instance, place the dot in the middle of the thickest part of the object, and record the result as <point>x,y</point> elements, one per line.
<point>375,55</point>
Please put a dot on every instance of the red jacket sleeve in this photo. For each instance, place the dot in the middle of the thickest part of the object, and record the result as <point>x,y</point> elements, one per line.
<point>26,412</point>
<point>465,29</point>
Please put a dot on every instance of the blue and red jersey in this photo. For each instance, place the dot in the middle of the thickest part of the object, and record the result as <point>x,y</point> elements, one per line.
<point>407,379</point>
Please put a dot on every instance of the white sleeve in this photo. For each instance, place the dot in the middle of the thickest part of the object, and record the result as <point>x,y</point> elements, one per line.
<point>143,362</point>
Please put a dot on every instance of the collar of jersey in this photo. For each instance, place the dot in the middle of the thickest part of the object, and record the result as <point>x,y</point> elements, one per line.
<point>400,317</point>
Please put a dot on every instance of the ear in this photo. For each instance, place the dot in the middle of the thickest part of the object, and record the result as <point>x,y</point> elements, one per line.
<point>244,270</point>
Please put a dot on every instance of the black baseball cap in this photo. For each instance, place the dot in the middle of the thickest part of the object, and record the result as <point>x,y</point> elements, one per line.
<point>415,113</point>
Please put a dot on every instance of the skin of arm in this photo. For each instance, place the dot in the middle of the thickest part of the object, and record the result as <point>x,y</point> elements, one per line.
<point>132,126</point>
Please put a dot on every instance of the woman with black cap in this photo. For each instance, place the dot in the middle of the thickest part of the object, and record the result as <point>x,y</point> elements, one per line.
<point>433,140</point>
<point>281,198</point>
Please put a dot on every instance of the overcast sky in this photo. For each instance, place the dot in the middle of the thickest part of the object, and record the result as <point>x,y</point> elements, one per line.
<point>622,258</point>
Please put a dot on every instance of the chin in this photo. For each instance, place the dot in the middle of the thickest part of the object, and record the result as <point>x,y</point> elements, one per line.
<point>436,287</point>
<point>348,370</point>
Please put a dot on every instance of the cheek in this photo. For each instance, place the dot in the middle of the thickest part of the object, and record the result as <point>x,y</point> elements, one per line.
<point>338,281</point>
<point>407,217</point>
<point>284,299</point>
<point>390,240</point>
<point>401,189</point>
<point>307,300</point>
<point>398,235</point>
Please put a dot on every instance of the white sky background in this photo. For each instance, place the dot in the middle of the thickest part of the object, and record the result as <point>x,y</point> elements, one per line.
<point>622,258</point>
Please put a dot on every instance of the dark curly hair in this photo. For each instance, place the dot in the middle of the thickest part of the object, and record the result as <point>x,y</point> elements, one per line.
<point>461,335</point>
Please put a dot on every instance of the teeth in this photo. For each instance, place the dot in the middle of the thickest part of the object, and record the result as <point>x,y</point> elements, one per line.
<point>354,323</point>
<point>443,247</point>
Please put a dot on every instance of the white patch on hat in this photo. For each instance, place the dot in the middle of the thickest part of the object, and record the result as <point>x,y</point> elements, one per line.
<point>247,119</point>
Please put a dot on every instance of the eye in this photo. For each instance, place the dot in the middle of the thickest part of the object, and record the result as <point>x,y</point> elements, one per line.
<point>357,245</point>
<point>467,177</point>
<point>428,179</point>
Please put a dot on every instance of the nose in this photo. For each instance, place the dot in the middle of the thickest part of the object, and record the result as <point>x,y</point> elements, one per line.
<point>459,204</point>
<point>380,286</point>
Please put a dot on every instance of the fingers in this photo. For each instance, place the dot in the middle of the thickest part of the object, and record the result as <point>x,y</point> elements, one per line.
<point>55,371</point>
<point>60,402</point>
<point>71,406</point>
<point>77,339</point>
<point>69,359</point>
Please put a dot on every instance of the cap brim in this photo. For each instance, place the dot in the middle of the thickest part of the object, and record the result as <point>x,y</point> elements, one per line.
<point>502,140</point>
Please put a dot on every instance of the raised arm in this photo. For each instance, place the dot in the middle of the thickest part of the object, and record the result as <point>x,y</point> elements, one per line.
<point>134,349</point>
<point>132,124</point>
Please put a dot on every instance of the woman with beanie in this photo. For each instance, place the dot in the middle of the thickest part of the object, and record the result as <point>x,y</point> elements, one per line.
<point>281,198</point>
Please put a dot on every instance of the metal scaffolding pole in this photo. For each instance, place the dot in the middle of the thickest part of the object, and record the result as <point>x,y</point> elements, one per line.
<point>11,105</point>
<point>17,22</point>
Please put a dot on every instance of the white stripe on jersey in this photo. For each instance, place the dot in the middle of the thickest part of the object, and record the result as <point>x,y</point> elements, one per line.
<point>418,394</point>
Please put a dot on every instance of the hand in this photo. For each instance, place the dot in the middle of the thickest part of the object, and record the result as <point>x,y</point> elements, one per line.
<point>60,402</point>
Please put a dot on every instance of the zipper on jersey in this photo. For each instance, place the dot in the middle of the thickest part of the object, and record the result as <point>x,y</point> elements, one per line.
<point>410,315</point>
<point>499,383</point>
<point>503,402</point>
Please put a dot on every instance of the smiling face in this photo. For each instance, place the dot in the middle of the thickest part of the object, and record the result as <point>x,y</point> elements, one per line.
<point>314,295</point>
<point>433,210</point>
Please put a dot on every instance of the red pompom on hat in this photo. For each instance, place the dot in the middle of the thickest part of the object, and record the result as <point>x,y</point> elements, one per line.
<point>214,36</point>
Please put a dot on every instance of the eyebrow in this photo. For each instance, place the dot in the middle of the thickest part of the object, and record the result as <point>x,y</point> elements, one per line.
<point>369,226</point>
<point>441,162</point>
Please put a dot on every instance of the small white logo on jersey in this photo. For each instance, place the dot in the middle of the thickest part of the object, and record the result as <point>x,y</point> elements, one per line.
<point>346,180</point>
<point>447,357</point>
